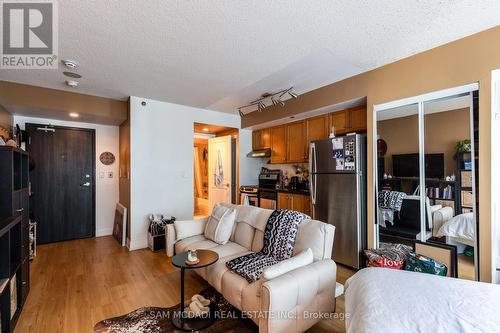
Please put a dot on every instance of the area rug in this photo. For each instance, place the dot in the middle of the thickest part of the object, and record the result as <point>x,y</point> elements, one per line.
<point>158,320</point>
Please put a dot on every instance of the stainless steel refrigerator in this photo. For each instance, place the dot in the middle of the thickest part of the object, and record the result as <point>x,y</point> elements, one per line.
<point>338,193</point>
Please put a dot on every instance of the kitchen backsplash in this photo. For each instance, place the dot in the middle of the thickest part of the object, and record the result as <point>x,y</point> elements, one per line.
<point>288,169</point>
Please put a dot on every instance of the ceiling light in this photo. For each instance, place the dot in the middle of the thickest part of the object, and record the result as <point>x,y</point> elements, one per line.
<point>71,64</point>
<point>72,75</point>
<point>74,115</point>
<point>261,106</point>
<point>72,83</point>
<point>205,129</point>
<point>275,98</point>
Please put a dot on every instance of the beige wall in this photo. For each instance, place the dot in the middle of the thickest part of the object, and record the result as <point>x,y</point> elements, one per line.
<point>442,132</point>
<point>467,60</point>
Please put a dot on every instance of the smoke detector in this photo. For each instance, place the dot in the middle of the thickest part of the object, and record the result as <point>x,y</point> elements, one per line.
<point>71,64</point>
<point>72,83</point>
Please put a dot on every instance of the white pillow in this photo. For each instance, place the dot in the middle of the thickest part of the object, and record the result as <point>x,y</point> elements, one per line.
<point>220,224</point>
<point>304,258</point>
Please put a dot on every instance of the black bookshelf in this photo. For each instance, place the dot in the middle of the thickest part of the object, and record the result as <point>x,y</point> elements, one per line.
<point>14,235</point>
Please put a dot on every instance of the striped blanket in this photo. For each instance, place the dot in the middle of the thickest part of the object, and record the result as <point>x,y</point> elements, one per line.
<point>279,239</point>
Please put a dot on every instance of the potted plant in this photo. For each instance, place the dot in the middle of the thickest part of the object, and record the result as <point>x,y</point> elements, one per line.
<point>463,146</point>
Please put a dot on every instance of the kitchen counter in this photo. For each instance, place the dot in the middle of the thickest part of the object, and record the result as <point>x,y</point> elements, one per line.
<point>302,192</point>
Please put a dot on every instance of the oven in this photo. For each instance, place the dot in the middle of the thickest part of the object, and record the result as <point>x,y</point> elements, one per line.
<point>249,195</point>
<point>268,198</point>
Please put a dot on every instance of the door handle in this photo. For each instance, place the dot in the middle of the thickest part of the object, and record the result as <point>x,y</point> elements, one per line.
<point>20,210</point>
<point>87,184</point>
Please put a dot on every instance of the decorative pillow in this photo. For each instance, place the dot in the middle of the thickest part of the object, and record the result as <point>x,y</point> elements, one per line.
<point>419,263</point>
<point>388,255</point>
<point>304,258</point>
<point>220,224</point>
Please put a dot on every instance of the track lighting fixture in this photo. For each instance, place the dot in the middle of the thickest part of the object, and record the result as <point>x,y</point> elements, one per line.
<point>261,106</point>
<point>276,99</point>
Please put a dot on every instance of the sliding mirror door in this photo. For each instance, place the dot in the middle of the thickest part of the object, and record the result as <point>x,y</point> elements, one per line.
<point>398,170</point>
<point>426,177</point>
<point>450,178</point>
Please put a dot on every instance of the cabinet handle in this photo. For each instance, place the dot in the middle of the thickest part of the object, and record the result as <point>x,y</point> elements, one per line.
<point>20,210</point>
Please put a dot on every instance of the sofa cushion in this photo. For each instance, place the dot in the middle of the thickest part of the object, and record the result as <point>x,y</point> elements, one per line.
<point>250,300</point>
<point>195,242</point>
<point>232,288</point>
<point>317,236</point>
<point>215,272</point>
<point>185,229</point>
<point>220,224</point>
<point>244,235</point>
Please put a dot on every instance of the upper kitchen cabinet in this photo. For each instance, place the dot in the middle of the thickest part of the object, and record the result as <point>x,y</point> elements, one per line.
<point>339,120</point>
<point>289,143</point>
<point>317,129</point>
<point>296,142</point>
<point>350,120</point>
<point>357,119</point>
<point>278,144</point>
<point>261,139</point>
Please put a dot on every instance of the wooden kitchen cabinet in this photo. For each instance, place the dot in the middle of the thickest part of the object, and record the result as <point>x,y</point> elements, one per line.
<point>317,129</point>
<point>290,143</point>
<point>350,120</point>
<point>357,119</point>
<point>296,142</point>
<point>284,201</point>
<point>340,120</point>
<point>297,202</point>
<point>261,139</point>
<point>278,144</point>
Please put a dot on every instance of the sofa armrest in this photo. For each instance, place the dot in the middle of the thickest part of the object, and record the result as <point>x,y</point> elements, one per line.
<point>293,301</point>
<point>182,229</point>
<point>440,217</point>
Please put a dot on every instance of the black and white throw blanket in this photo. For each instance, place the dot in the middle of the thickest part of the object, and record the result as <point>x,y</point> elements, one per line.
<point>279,239</point>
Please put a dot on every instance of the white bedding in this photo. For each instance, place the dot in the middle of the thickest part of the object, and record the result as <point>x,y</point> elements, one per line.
<point>387,300</point>
<point>460,226</point>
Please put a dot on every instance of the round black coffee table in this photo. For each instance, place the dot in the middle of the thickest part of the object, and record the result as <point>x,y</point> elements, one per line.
<point>179,319</point>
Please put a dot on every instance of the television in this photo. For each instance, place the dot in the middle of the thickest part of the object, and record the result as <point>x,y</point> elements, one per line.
<point>406,165</point>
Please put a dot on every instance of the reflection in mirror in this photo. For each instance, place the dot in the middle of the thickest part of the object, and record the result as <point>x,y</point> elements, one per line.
<point>398,176</point>
<point>449,178</point>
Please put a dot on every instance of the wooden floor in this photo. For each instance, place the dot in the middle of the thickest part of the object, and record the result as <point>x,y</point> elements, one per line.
<point>75,284</point>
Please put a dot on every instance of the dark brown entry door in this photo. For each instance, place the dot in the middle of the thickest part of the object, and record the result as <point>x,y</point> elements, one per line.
<point>62,181</point>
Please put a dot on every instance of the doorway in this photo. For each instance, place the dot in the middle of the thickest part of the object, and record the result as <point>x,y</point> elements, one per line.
<point>215,166</point>
<point>62,175</point>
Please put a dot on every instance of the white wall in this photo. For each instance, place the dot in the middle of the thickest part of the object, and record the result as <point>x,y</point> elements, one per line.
<point>106,188</point>
<point>161,160</point>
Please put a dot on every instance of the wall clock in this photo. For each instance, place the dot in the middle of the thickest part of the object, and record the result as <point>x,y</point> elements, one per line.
<point>107,158</point>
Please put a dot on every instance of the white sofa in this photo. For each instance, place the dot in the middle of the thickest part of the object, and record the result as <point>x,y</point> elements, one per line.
<point>290,302</point>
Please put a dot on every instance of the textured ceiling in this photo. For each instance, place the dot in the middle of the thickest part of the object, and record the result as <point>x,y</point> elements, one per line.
<point>222,54</point>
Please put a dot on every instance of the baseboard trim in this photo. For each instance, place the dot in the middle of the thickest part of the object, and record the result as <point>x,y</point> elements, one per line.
<point>104,232</point>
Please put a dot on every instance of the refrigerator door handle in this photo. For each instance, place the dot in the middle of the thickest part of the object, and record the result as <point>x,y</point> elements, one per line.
<point>312,158</point>
<point>312,168</point>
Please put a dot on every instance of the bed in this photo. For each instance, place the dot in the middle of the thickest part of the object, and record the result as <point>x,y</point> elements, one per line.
<point>459,230</point>
<point>388,300</point>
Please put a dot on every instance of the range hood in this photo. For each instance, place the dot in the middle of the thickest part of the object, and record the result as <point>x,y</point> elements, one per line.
<point>260,153</point>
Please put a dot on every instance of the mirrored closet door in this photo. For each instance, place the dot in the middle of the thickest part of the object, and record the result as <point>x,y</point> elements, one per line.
<point>426,177</point>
